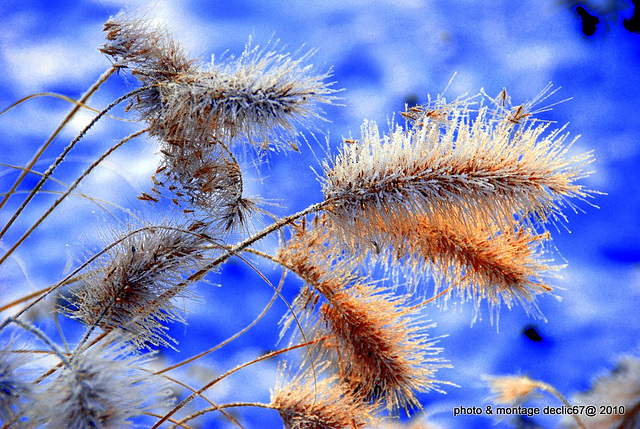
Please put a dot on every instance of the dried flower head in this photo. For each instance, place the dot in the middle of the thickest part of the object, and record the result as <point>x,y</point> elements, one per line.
<point>104,388</point>
<point>380,350</point>
<point>511,389</point>
<point>259,97</point>
<point>148,50</point>
<point>483,169</point>
<point>305,402</point>
<point>16,388</point>
<point>475,262</point>
<point>207,181</point>
<point>136,43</point>
<point>133,288</point>
<point>619,388</point>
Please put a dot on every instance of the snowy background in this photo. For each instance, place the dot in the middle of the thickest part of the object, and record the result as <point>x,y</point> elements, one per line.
<point>383,54</point>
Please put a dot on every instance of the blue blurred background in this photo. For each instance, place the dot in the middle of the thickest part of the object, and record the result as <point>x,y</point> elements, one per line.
<point>384,54</point>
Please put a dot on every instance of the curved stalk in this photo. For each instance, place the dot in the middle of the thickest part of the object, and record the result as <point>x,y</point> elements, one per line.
<point>545,387</point>
<point>234,336</point>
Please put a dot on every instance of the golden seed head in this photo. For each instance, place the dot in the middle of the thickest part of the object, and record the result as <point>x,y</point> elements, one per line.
<point>378,347</point>
<point>307,402</point>
<point>511,390</point>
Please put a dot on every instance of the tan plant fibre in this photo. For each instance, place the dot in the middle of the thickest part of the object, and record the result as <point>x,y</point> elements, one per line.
<point>305,402</point>
<point>476,262</point>
<point>484,169</point>
<point>134,287</point>
<point>619,388</point>
<point>511,389</point>
<point>380,349</point>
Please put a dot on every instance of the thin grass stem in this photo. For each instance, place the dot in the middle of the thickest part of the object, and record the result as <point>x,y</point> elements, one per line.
<point>545,387</point>
<point>228,373</point>
<point>102,79</point>
<point>220,408</point>
<point>64,153</point>
<point>69,191</point>
<point>233,337</point>
<point>259,236</point>
<point>178,382</point>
